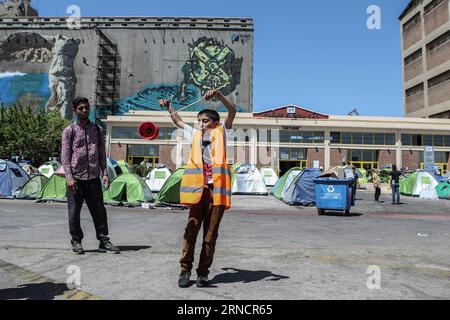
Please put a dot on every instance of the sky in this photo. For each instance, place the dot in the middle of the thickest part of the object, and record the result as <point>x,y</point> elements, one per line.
<point>319,55</point>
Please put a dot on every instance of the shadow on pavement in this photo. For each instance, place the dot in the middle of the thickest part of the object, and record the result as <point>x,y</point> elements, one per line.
<point>237,275</point>
<point>340,214</point>
<point>133,248</point>
<point>122,249</point>
<point>34,291</point>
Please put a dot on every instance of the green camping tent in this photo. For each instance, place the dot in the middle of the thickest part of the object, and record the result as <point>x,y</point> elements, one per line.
<point>33,188</point>
<point>416,182</point>
<point>55,189</point>
<point>127,189</point>
<point>170,191</point>
<point>125,167</point>
<point>283,183</point>
<point>443,190</point>
<point>362,176</point>
<point>49,168</point>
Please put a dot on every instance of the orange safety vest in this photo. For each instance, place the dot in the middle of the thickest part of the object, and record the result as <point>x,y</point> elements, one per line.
<point>192,183</point>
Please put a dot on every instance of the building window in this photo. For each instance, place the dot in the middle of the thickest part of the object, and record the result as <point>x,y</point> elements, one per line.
<point>335,137</point>
<point>438,41</point>
<point>439,79</point>
<point>389,139</point>
<point>438,141</point>
<point>447,141</point>
<point>132,133</point>
<point>346,138</point>
<point>138,153</point>
<point>433,4</point>
<point>264,135</point>
<point>427,140</point>
<point>378,138</point>
<point>411,23</point>
<point>413,57</point>
<point>367,138</point>
<point>297,136</point>
<point>420,140</point>
<point>414,90</point>
<point>407,139</point>
<point>292,154</point>
<point>367,159</point>
<point>357,138</point>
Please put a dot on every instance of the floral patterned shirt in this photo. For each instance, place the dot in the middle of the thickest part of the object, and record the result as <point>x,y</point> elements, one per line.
<point>84,158</point>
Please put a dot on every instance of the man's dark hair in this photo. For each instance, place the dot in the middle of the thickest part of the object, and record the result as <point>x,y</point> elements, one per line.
<point>213,114</point>
<point>394,167</point>
<point>79,100</point>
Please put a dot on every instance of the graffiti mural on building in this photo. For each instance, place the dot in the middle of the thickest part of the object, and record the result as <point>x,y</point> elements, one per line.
<point>211,65</point>
<point>32,48</point>
<point>148,99</point>
<point>24,89</point>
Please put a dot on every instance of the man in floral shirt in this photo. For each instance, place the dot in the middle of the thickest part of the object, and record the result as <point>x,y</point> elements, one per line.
<point>84,160</point>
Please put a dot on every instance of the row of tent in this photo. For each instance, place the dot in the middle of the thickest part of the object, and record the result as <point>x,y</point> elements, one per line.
<point>295,187</point>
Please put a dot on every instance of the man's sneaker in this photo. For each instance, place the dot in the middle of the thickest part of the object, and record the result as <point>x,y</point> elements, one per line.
<point>77,247</point>
<point>183,279</point>
<point>107,246</point>
<point>202,281</point>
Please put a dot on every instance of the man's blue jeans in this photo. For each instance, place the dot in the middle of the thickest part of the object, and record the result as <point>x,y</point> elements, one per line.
<point>395,192</point>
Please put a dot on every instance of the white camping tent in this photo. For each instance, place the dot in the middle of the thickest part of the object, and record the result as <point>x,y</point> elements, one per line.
<point>157,177</point>
<point>425,186</point>
<point>49,168</point>
<point>248,180</point>
<point>269,175</point>
<point>289,179</point>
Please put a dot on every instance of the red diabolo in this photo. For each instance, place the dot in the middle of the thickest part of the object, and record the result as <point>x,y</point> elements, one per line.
<point>148,130</point>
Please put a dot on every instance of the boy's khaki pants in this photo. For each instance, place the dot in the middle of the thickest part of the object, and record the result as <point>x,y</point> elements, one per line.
<point>203,212</point>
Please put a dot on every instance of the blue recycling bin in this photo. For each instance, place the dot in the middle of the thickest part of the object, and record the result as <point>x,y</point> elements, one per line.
<point>333,194</point>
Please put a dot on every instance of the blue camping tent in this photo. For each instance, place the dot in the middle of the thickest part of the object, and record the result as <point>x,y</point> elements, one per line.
<point>302,189</point>
<point>12,177</point>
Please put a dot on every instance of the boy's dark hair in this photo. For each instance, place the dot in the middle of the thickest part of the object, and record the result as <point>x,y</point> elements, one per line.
<point>79,100</point>
<point>213,114</point>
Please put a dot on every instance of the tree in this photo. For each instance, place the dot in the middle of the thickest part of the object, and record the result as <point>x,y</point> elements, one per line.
<point>29,134</point>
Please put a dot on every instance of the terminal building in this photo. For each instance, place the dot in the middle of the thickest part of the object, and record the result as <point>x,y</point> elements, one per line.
<point>291,136</point>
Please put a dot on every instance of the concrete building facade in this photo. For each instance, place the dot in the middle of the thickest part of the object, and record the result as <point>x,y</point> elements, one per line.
<point>125,63</point>
<point>425,34</point>
<point>283,142</point>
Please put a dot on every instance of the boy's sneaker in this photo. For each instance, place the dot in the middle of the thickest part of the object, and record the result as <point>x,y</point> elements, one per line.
<point>77,247</point>
<point>183,279</point>
<point>107,246</point>
<point>202,281</point>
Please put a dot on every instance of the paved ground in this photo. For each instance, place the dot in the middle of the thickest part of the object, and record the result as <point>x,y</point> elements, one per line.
<point>265,250</point>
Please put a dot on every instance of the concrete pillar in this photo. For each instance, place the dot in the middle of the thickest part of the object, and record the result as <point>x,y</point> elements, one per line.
<point>399,153</point>
<point>253,147</point>
<point>179,152</point>
<point>327,151</point>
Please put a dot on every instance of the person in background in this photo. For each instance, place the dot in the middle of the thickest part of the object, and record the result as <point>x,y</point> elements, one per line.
<point>83,157</point>
<point>395,184</point>
<point>376,184</point>
<point>354,184</point>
